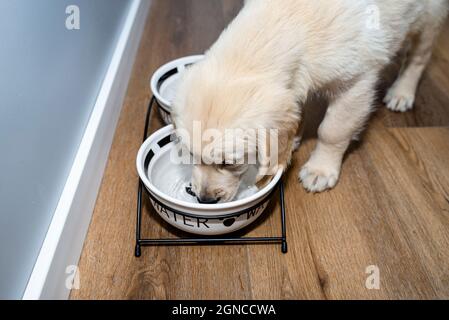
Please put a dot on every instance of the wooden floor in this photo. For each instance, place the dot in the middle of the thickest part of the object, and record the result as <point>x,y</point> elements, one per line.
<point>390,209</point>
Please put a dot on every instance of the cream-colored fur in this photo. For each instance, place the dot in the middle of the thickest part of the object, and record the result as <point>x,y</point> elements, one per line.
<point>276,52</point>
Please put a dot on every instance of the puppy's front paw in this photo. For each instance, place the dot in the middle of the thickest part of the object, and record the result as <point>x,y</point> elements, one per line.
<point>318,178</point>
<point>400,98</point>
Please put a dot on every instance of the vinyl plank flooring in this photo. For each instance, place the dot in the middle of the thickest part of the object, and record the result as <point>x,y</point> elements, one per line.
<point>390,209</point>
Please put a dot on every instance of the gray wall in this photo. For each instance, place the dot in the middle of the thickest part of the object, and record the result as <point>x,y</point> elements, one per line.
<point>49,81</point>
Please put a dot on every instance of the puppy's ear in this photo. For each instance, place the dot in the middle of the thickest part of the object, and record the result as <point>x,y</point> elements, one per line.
<point>269,153</point>
<point>274,152</point>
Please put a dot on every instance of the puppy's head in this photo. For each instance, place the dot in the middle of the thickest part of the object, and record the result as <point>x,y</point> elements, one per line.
<point>221,158</point>
<point>224,118</point>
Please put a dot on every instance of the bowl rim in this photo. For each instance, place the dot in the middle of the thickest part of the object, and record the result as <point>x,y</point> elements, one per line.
<point>142,153</point>
<point>173,64</point>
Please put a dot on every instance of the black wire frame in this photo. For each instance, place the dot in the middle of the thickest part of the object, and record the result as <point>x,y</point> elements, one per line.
<point>222,240</point>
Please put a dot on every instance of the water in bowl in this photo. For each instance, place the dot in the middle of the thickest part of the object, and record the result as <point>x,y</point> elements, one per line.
<point>169,87</point>
<point>173,179</point>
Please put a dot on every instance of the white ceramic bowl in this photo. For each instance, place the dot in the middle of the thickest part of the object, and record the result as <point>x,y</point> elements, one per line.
<point>157,173</point>
<point>164,83</point>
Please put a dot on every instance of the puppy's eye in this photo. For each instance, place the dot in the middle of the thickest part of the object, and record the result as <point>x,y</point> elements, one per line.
<point>227,165</point>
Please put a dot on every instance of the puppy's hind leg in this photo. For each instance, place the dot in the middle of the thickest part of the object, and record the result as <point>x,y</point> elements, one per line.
<point>344,119</point>
<point>401,96</point>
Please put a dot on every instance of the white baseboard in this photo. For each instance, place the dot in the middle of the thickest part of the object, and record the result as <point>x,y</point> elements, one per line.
<point>64,240</point>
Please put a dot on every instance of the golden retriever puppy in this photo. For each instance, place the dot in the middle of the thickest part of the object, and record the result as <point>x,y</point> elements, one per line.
<point>271,57</point>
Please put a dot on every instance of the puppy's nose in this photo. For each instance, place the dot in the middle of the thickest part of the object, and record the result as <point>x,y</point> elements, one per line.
<point>206,200</point>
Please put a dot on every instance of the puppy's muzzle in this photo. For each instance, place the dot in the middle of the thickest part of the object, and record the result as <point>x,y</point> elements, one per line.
<point>205,200</point>
<point>202,200</point>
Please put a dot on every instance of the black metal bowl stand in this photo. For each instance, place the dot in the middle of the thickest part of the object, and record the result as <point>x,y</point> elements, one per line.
<point>209,240</point>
